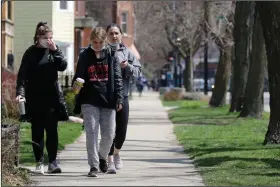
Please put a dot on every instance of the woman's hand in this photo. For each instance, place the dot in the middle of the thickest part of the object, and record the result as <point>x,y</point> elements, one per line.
<point>51,45</point>
<point>119,107</point>
<point>124,64</point>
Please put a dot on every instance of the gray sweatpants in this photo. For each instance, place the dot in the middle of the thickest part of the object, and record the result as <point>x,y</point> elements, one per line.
<point>93,117</point>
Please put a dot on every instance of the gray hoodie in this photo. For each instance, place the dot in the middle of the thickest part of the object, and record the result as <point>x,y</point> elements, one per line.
<point>133,69</point>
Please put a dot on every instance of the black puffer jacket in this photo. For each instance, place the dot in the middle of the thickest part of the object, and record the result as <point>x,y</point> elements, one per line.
<point>37,81</point>
<point>103,85</point>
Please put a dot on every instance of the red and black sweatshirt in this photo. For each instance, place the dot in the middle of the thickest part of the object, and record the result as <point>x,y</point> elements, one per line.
<point>103,85</point>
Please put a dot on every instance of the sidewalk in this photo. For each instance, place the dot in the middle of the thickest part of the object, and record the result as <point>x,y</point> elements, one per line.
<point>150,154</point>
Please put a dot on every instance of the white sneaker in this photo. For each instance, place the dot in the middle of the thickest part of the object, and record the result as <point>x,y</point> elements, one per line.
<point>118,161</point>
<point>39,168</point>
<point>111,168</point>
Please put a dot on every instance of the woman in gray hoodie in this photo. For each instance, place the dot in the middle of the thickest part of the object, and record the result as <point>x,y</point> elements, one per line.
<point>131,67</point>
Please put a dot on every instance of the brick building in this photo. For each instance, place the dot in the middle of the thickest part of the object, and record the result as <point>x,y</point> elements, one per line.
<point>83,28</point>
<point>60,17</point>
<point>213,61</point>
<point>125,17</point>
<point>120,12</point>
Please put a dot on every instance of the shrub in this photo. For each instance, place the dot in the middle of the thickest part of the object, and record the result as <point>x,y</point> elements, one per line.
<point>11,175</point>
<point>163,90</point>
<point>173,95</point>
<point>70,101</point>
<point>8,101</point>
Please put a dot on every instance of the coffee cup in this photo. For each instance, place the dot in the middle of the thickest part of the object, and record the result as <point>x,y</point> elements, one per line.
<point>78,84</point>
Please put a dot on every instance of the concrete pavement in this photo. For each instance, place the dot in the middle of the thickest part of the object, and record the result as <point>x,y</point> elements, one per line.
<point>150,154</point>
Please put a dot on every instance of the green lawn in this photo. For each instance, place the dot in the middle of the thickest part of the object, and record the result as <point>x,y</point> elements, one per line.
<point>227,150</point>
<point>67,132</point>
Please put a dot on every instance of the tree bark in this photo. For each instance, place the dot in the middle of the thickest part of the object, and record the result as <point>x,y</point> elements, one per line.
<point>218,97</point>
<point>188,77</point>
<point>242,37</point>
<point>206,33</point>
<point>253,104</point>
<point>186,54</point>
<point>270,18</point>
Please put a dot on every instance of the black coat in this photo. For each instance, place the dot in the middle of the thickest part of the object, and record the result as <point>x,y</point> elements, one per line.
<point>90,92</point>
<point>26,78</point>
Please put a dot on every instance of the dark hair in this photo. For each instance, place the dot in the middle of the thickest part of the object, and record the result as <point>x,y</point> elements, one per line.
<point>114,25</point>
<point>41,29</point>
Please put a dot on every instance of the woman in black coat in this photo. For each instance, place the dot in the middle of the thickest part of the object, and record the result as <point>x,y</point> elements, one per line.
<point>45,104</point>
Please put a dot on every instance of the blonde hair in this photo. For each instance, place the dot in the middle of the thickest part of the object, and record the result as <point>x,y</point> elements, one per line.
<point>98,32</point>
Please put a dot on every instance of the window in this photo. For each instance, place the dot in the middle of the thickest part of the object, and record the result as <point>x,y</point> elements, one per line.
<point>9,10</point>
<point>63,5</point>
<point>124,22</point>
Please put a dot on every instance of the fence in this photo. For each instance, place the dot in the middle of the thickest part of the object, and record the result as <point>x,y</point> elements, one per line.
<point>65,79</point>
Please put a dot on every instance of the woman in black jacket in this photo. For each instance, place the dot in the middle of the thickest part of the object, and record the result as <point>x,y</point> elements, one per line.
<point>100,98</point>
<point>45,105</point>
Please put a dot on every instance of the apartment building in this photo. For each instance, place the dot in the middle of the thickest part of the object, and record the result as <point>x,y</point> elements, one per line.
<point>120,12</point>
<point>58,14</point>
<point>83,28</point>
<point>7,30</point>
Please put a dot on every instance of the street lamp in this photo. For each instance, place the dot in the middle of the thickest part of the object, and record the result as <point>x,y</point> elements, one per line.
<point>178,41</point>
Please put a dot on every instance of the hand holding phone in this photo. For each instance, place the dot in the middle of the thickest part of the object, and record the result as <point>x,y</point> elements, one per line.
<point>124,63</point>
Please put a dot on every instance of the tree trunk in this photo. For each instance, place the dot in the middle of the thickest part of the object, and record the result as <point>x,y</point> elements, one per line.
<point>270,19</point>
<point>206,33</point>
<point>218,97</point>
<point>189,74</point>
<point>242,37</point>
<point>253,104</point>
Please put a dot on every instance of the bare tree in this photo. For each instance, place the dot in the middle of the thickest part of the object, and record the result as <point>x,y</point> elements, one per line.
<point>151,41</point>
<point>270,19</point>
<point>184,20</point>
<point>101,11</point>
<point>253,101</point>
<point>242,36</point>
<point>221,32</point>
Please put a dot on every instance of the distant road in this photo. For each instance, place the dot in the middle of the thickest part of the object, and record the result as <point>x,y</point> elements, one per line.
<point>266,100</point>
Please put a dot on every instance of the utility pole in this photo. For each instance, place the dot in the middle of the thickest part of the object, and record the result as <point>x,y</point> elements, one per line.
<point>206,15</point>
<point>174,39</point>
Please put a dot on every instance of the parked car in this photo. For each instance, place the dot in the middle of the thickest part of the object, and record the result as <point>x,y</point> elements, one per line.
<point>198,85</point>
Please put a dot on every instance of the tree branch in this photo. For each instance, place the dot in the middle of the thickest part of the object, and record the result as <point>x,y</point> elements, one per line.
<point>173,44</point>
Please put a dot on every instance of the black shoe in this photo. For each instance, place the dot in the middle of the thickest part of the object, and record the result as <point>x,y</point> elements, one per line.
<point>93,172</point>
<point>54,168</point>
<point>103,165</point>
